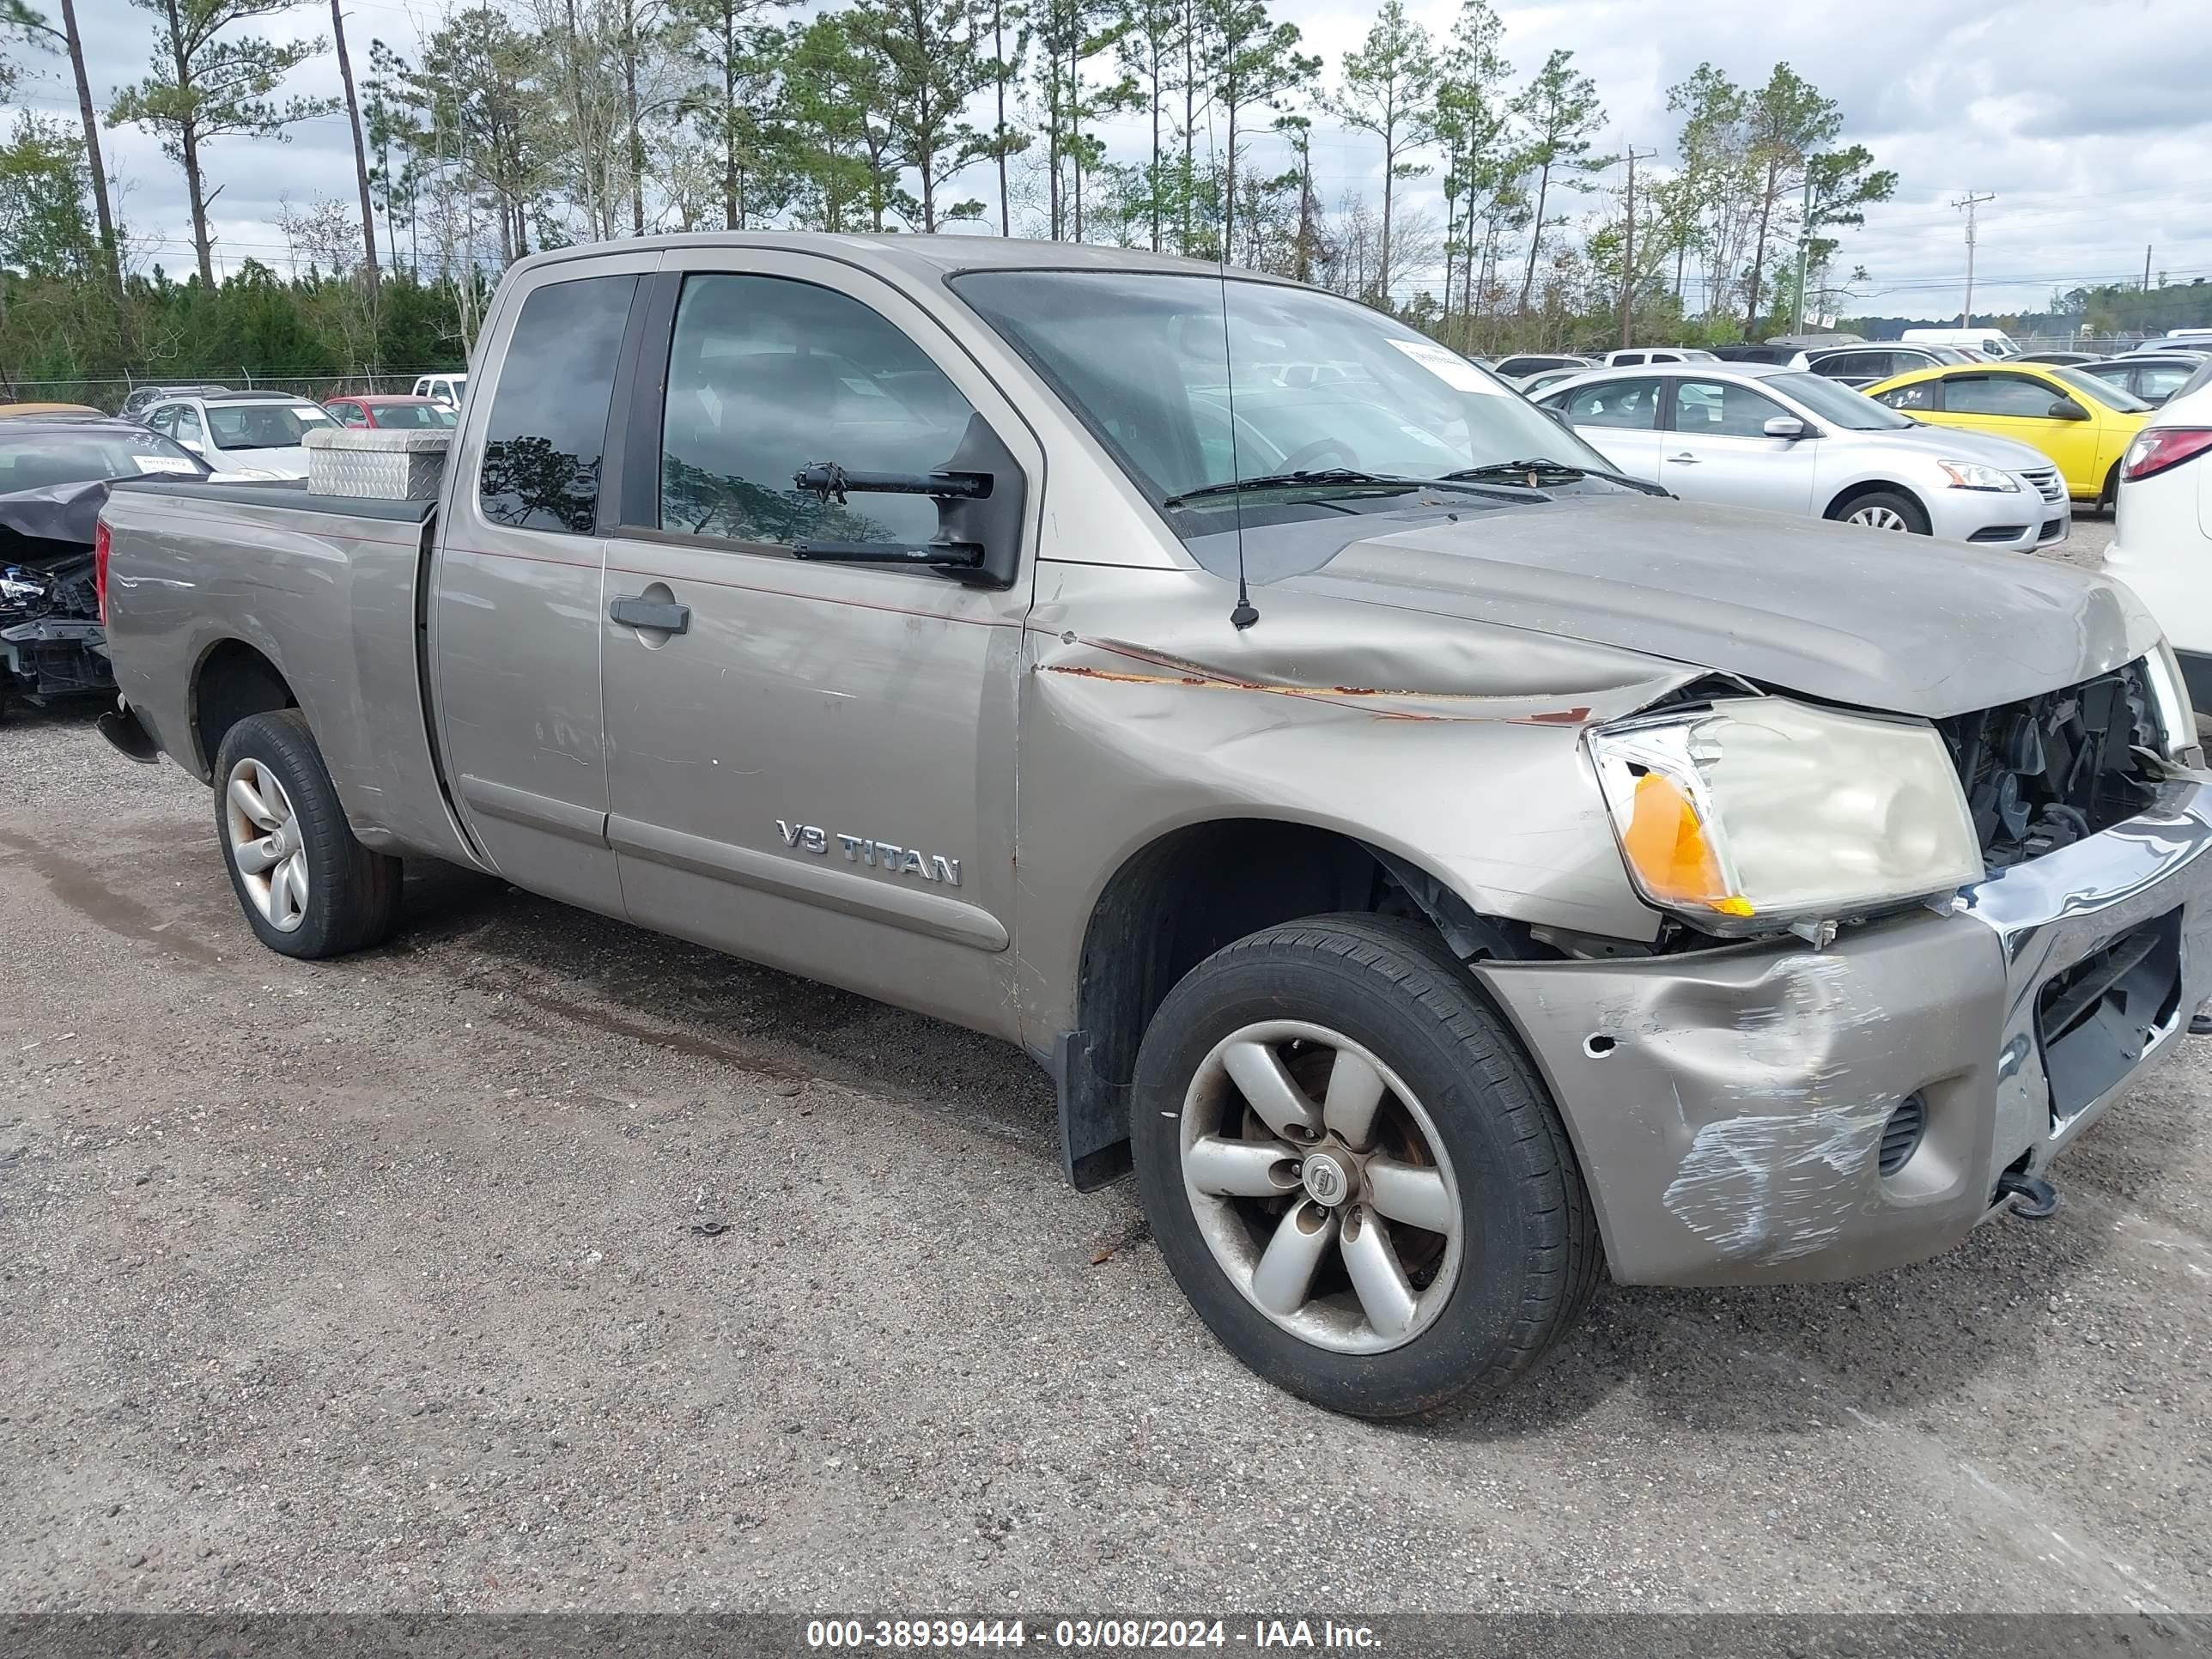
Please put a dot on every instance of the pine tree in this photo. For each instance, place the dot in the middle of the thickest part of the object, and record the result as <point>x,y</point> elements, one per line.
<point>1389,90</point>
<point>1560,108</point>
<point>207,83</point>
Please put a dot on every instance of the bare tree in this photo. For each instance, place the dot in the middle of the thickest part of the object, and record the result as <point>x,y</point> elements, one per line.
<point>360,145</point>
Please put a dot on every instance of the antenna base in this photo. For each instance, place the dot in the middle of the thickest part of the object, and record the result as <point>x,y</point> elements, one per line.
<point>1244,615</point>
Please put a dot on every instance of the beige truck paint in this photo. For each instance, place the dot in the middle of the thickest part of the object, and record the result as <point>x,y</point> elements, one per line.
<point>1004,805</point>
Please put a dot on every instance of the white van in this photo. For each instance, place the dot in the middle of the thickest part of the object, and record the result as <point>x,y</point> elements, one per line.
<point>1989,342</point>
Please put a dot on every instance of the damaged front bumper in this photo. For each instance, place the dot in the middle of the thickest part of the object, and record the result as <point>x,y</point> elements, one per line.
<point>1729,1105</point>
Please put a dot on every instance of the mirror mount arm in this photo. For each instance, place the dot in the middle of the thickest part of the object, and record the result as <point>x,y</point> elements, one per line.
<point>829,482</point>
<point>981,498</point>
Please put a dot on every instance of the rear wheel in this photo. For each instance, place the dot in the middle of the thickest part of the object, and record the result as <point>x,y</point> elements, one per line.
<point>1354,1174</point>
<point>308,887</point>
<point>1884,509</point>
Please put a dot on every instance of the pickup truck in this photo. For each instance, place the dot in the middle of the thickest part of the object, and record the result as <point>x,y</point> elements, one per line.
<point>1444,869</point>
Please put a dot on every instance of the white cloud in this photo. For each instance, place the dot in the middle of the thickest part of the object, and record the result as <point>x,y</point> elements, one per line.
<point>2090,125</point>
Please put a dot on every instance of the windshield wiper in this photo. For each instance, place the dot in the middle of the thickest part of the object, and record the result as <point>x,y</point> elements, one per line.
<point>1328,477</point>
<point>1526,474</point>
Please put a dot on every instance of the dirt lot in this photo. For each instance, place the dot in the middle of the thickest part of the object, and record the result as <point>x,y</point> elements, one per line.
<point>378,1285</point>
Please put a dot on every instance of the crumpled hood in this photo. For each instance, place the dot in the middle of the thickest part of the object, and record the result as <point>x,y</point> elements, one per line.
<point>1877,619</point>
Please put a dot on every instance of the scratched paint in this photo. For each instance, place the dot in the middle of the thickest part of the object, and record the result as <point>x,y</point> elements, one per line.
<point>1430,705</point>
<point>1771,1188</point>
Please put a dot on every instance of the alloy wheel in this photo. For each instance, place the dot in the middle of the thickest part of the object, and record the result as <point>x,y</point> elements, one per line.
<point>1879,518</point>
<point>267,844</point>
<point>1322,1187</point>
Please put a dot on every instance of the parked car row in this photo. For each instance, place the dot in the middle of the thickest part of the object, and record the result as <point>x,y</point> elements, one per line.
<point>259,434</point>
<point>2082,421</point>
<point>57,462</point>
<point>1753,434</point>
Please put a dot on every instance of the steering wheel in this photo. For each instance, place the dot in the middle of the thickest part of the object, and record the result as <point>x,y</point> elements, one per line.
<point>1302,458</point>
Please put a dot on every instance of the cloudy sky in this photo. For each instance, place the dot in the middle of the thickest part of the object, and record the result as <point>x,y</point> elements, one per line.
<point>2088,120</point>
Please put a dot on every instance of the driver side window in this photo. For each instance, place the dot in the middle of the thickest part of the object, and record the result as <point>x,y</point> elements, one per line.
<point>767,375</point>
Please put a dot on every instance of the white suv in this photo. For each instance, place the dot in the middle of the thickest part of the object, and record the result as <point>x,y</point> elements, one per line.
<point>242,434</point>
<point>2162,543</point>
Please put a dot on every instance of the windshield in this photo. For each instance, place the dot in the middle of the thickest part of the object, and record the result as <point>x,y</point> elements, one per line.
<point>41,460</point>
<point>435,417</point>
<point>1302,382</point>
<point>1837,404</point>
<point>262,426</point>
<point>2112,396</point>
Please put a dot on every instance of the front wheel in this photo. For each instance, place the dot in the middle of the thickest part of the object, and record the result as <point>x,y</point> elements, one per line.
<point>1354,1174</point>
<point>308,887</point>
<point>1886,509</point>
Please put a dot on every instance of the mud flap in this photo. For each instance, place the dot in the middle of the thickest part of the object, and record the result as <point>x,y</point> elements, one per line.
<point>120,727</point>
<point>1094,1115</point>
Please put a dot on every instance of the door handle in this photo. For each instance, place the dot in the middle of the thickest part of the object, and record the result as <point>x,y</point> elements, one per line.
<point>659,615</point>
<point>1683,461</point>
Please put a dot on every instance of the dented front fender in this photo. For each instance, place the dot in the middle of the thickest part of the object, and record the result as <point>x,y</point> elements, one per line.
<point>1454,746</point>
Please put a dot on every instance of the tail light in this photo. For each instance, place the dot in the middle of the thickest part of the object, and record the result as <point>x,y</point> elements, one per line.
<point>99,569</point>
<point>2158,447</point>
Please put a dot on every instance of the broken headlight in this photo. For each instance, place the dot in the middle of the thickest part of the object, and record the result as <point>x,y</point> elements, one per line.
<point>1754,813</point>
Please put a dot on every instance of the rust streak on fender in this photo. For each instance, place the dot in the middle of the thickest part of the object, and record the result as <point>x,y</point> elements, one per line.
<point>1199,677</point>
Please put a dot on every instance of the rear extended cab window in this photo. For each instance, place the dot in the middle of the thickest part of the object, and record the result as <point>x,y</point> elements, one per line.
<point>547,433</point>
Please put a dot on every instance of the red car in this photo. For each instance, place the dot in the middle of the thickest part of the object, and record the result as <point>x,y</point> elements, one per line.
<point>392,412</point>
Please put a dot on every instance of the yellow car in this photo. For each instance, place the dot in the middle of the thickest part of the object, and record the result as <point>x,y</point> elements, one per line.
<point>2083,424</point>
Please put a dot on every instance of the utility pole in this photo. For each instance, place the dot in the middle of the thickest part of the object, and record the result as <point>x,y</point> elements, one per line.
<point>1797,313</point>
<point>2146,288</point>
<point>1628,255</point>
<point>1970,202</point>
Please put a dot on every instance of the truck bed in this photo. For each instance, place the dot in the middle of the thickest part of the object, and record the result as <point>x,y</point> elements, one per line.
<point>327,592</point>
<point>293,497</point>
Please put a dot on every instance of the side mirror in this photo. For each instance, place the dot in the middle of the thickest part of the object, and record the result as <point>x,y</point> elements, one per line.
<point>1557,414</point>
<point>1785,426</point>
<point>979,494</point>
<point>192,444</point>
<point>2065,409</point>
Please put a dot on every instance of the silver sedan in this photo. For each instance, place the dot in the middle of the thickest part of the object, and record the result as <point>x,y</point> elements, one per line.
<point>1747,435</point>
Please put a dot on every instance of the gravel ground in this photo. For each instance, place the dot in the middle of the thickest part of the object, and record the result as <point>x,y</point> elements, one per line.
<point>379,1285</point>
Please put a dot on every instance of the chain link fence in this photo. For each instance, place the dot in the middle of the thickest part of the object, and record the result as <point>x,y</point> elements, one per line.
<point>109,393</point>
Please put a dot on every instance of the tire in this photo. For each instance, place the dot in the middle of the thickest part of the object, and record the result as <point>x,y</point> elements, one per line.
<point>2108,499</point>
<point>1490,1302</point>
<point>352,895</point>
<point>1877,507</point>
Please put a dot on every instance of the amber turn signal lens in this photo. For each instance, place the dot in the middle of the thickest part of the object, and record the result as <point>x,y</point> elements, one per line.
<point>1667,846</point>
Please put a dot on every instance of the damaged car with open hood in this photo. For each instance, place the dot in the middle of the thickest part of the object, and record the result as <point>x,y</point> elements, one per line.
<point>1443,869</point>
<point>54,474</point>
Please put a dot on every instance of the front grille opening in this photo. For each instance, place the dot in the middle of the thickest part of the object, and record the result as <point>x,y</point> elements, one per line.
<point>1999,532</point>
<point>2096,1018</point>
<point>2058,769</point>
<point>1901,1135</point>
